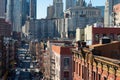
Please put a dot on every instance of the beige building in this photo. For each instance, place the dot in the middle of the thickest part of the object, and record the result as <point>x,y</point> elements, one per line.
<point>117,15</point>
<point>79,34</point>
<point>88,35</point>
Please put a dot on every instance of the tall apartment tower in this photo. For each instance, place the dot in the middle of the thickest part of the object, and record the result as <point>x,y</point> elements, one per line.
<point>70,3</point>
<point>50,12</point>
<point>108,15</point>
<point>33,8</point>
<point>2,8</point>
<point>58,8</point>
<point>9,14</point>
<point>17,12</point>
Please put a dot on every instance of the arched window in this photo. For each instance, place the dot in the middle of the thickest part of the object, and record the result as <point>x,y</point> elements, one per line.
<point>111,36</point>
<point>118,37</point>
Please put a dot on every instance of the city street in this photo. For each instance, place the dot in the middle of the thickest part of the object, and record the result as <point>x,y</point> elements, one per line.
<point>25,66</point>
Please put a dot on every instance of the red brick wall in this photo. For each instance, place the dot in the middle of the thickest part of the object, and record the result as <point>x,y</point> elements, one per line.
<point>106,31</point>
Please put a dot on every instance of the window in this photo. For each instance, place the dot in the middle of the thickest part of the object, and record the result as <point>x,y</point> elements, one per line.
<point>74,66</point>
<point>99,77</point>
<point>83,72</point>
<point>66,62</point>
<point>79,69</point>
<point>93,75</point>
<point>66,75</point>
<point>104,35</point>
<point>112,36</point>
<point>105,78</point>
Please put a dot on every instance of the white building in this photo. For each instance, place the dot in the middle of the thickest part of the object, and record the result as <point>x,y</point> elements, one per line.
<point>61,27</point>
<point>79,34</point>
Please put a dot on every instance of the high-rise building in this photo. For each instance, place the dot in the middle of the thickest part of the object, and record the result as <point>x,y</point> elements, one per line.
<point>108,19</point>
<point>58,8</point>
<point>50,12</point>
<point>18,11</point>
<point>9,13</point>
<point>33,8</point>
<point>24,10</point>
<point>70,3</point>
<point>2,8</point>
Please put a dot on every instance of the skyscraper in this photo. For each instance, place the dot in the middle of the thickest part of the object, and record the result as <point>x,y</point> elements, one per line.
<point>58,8</point>
<point>2,8</point>
<point>33,9</point>
<point>50,12</point>
<point>9,13</point>
<point>70,3</point>
<point>17,12</point>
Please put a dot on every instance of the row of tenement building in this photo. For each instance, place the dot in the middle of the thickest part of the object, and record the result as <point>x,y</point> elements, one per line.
<point>8,49</point>
<point>67,60</point>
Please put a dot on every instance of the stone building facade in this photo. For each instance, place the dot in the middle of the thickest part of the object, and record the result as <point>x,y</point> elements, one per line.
<point>93,34</point>
<point>78,62</point>
<point>81,16</point>
<point>88,66</point>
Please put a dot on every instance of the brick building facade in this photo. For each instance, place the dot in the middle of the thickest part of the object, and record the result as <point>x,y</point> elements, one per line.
<point>60,60</point>
<point>87,66</point>
<point>8,48</point>
<point>93,34</point>
<point>95,62</point>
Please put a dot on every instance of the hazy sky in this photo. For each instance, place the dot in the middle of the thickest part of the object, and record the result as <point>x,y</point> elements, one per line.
<point>42,6</point>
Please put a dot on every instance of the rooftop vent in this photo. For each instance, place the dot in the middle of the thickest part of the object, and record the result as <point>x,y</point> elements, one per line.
<point>105,40</point>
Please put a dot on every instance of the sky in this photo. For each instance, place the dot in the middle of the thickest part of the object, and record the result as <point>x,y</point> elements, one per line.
<point>43,4</point>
